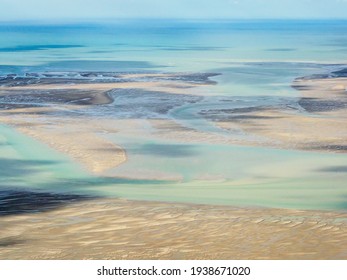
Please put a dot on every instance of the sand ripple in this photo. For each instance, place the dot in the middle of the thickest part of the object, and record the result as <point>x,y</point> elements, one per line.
<point>122,229</point>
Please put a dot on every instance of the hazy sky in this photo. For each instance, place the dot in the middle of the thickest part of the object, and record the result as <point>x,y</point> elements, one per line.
<point>114,9</point>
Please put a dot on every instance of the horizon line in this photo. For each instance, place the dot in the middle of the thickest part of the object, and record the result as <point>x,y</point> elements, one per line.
<point>100,20</point>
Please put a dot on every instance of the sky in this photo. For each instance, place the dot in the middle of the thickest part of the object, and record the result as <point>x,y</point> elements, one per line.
<point>16,10</point>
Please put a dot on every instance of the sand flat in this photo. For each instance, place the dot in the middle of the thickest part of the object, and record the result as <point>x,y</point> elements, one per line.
<point>319,124</point>
<point>51,110</point>
<point>82,140</point>
<point>123,229</point>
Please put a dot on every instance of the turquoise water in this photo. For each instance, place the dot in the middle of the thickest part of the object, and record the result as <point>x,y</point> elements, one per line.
<point>212,174</point>
<point>289,179</point>
<point>257,60</point>
<point>26,163</point>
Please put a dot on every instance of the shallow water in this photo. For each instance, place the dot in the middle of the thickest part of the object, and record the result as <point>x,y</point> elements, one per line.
<point>26,163</point>
<point>257,62</point>
<point>198,173</point>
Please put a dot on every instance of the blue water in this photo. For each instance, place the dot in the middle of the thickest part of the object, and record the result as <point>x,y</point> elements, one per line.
<point>257,61</point>
<point>255,57</point>
<point>177,45</point>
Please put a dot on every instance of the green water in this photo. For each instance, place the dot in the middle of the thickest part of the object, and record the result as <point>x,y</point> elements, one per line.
<point>199,173</point>
<point>26,163</point>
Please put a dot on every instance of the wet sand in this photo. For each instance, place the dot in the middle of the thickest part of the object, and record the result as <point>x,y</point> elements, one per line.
<point>317,123</point>
<point>122,229</point>
<point>49,107</point>
<point>53,110</point>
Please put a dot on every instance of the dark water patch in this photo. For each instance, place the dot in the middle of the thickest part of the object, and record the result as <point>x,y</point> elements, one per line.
<point>179,86</point>
<point>11,106</point>
<point>40,98</point>
<point>14,202</point>
<point>77,77</point>
<point>341,73</point>
<point>124,103</point>
<point>244,110</point>
<point>236,118</point>
<point>195,78</point>
<point>335,169</point>
<point>315,105</point>
<point>316,77</point>
<point>12,80</point>
<point>11,241</point>
<point>331,148</point>
<point>10,167</point>
<point>138,103</point>
<point>166,150</point>
<point>301,87</point>
<point>234,114</point>
<point>25,48</point>
<point>61,78</point>
<point>250,117</point>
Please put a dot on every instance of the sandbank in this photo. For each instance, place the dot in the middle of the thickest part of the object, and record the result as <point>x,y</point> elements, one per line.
<point>123,229</point>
